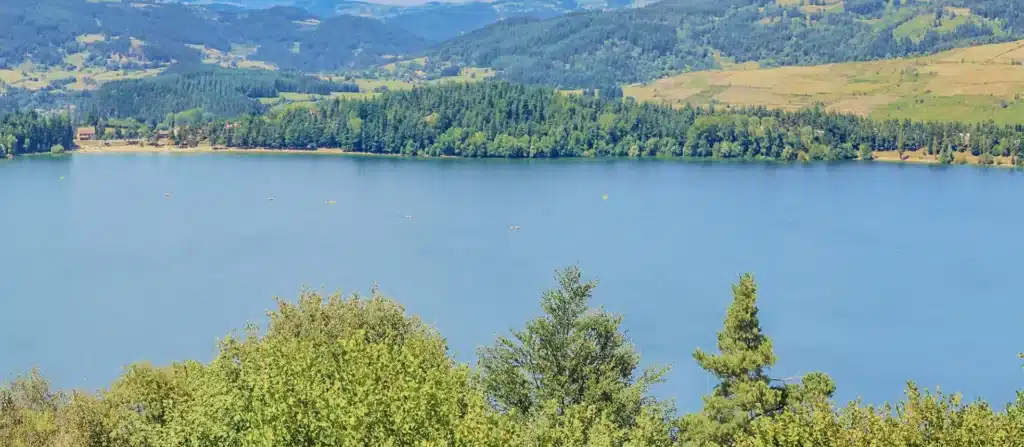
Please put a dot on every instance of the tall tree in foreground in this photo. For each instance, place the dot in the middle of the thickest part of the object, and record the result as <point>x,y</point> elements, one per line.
<point>570,375</point>
<point>745,392</point>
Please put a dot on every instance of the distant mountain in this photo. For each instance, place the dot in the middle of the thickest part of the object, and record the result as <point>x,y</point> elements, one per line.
<point>591,49</point>
<point>439,21</point>
<point>140,33</point>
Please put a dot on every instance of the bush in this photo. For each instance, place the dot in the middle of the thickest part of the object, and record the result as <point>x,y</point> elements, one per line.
<point>57,149</point>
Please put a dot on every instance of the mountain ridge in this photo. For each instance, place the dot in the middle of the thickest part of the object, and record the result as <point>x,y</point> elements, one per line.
<point>145,34</point>
<point>437,21</point>
<point>591,49</point>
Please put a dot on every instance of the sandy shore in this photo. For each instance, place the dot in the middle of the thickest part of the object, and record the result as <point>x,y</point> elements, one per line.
<point>96,147</point>
<point>123,148</point>
<point>922,157</point>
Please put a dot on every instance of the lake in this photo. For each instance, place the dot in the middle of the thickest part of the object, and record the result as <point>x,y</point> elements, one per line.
<point>874,273</point>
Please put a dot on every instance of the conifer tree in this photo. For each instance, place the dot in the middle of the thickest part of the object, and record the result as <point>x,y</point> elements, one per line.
<point>745,392</point>
<point>572,359</point>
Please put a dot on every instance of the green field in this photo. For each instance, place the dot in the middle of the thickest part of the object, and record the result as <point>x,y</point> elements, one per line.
<point>35,78</point>
<point>969,84</point>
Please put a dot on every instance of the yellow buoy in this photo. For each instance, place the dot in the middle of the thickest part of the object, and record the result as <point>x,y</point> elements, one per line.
<point>62,177</point>
<point>330,202</point>
<point>605,197</point>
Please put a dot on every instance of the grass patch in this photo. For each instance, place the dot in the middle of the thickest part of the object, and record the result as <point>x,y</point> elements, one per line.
<point>353,95</point>
<point>418,62</point>
<point>969,84</point>
<point>290,96</point>
<point>469,74</point>
<point>236,57</point>
<point>77,59</point>
<point>916,28</point>
<point>10,76</point>
<point>90,38</point>
<point>954,108</point>
<point>369,85</point>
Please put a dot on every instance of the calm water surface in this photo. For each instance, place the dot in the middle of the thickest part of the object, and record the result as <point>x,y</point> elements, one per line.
<point>876,274</point>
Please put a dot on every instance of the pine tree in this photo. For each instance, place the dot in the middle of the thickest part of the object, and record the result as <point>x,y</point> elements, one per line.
<point>745,392</point>
<point>946,156</point>
<point>572,358</point>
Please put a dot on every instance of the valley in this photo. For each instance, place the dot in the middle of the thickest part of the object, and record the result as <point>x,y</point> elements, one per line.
<point>668,144</point>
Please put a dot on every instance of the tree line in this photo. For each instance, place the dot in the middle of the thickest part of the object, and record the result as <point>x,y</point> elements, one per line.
<point>359,371</point>
<point>499,119</point>
<point>31,132</point>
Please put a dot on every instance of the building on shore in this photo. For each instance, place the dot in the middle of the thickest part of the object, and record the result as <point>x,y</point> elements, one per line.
<point>85,133</point>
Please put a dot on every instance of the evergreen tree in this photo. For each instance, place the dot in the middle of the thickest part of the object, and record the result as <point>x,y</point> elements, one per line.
<point>440,120</point>
<point>744,392</point>
<point>865,152</point>
<point>574,358</point>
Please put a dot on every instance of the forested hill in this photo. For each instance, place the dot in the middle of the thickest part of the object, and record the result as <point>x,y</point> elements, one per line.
<point>601,48</point>
<point>499,119</point>
<point>207,92</point>
<point>115,34</point>
<point>439,21</point>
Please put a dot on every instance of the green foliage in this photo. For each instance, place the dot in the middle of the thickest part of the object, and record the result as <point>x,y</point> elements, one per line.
<point>570,373</point>
<point>946,156</point>
<point>354,371</point>
<point>745,392</point>
<point>28,411</point>
<point>212,91</point>
<point>57,149</point>
<point>26,133</point>
<point>499,119</point>
<point>340,371</point>
<point>921,418</point>
<point>864,152</point>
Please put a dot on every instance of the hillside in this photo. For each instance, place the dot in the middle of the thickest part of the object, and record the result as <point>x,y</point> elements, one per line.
<point>205,93</point>
<point>78,34</point>
<point>969,84</point>
<point>438,21</point>
<point>636,45</point>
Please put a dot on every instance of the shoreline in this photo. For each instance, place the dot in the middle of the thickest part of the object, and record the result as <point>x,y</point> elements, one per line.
<point>910,157</point>
<point>132,149</point>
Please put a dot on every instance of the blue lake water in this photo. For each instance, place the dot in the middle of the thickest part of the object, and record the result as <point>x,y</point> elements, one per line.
<point>874,273</point>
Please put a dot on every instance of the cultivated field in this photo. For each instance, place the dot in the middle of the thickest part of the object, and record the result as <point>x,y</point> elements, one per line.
<point>969,84</point>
